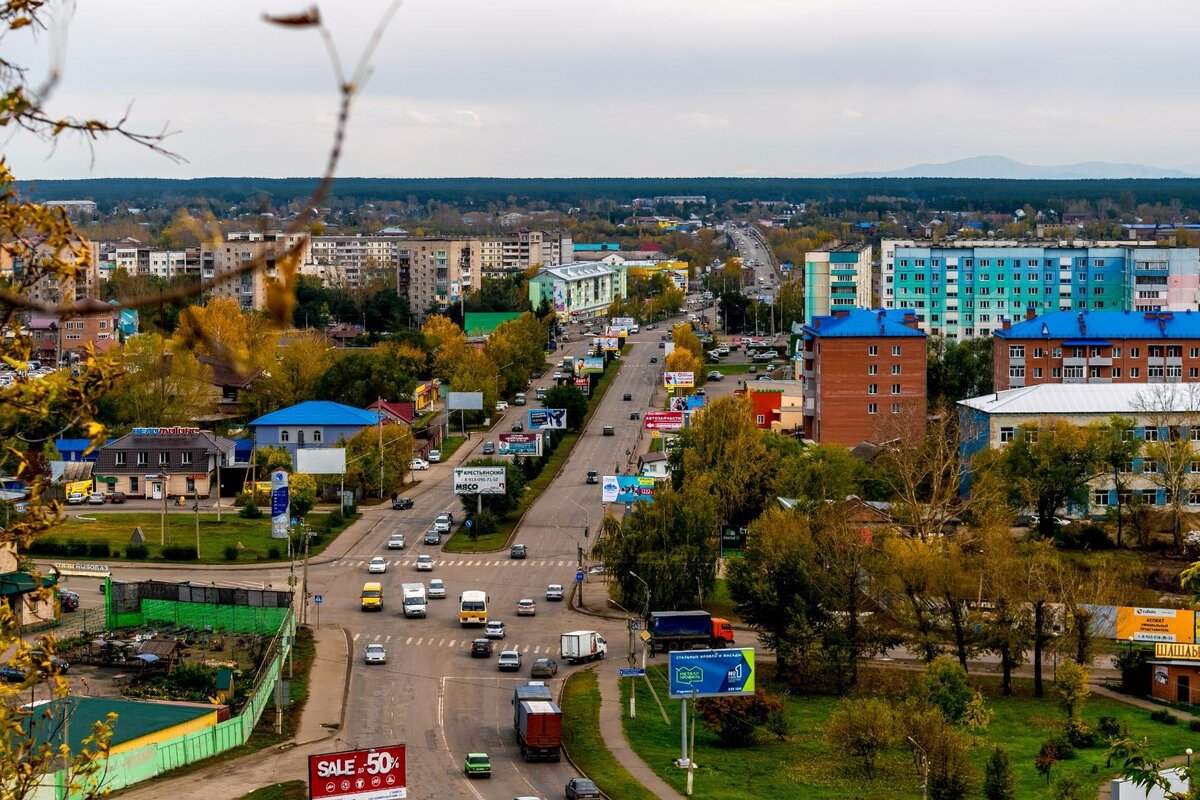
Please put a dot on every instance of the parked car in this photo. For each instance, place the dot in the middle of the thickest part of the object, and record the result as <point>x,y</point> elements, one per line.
<point>418,463</point>
<point>494,629</point>
<point>12,674</point>
<point>437,589</point>
<point>489,448</point>
<point>68,600</point>
<point>518,551</point>
<point>543,668</point>
<point>593,476</point>
<point>481,648</point>
<point>396,541</point>
<point>478,765</point>
<point>501,405</point>
<point>526,607</point>
<point>716,376</point>
<point>627,397</point>
<point>48,666</point>
<point>375,654</point>
<point>96,499</point>
<point>509,661</point>
<point>424,563</point>
<point>554,591</point>
<point>582,789</point>
<point>76,499</point>
<point>402,503</point>
<point>434,456</point>
<point>116,497</point>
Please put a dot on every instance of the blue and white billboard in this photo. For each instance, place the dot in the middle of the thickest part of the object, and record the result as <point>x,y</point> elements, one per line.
<point>279,504</point>
<point>711,673</point>
<point>553,418</point>
<point>626,489</point>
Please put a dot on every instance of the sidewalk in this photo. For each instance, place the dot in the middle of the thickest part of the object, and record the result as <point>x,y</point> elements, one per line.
<point>612,712</point>
<point>320,722</point>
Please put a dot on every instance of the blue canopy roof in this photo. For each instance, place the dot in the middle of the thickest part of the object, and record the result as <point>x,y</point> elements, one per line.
<point>864,322</point>
<point>318,412</point>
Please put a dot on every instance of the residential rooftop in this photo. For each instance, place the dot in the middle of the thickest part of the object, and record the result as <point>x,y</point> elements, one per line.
<point>1098,325</point>
<point>862,322</point>
<point>1051,399</point>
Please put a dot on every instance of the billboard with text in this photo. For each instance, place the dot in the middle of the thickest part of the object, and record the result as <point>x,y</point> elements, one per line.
<point>378,773</point>
<point>553,418</point>
<point>679,380</point>
<point>520,444</point>
<point>1156,624</point>
<point>479,480</point>
<point>626,489</point>
<point>606,343</point>
<point>662,420</point>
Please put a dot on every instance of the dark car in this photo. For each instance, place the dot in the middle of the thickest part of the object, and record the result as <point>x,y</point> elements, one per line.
<point>402,503</point>
<point>481,648</point>
<point>593,476</point>
<point>12,674</point>
<point>627,397</point>
<point>68,599</point>
<point>116,497</point>
<point>46,665</point>
<point>517,427</point>
<point>634,415</point>
<point>582,788</point>
<point>653,359</point>
<point>544,668</point>
<point>518,551</point>
<point>489,448</point>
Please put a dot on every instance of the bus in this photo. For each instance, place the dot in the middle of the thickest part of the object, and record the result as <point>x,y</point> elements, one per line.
<point>472,608</point>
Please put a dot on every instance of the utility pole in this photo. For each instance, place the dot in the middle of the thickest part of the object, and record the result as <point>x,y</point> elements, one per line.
<point>380,416</point>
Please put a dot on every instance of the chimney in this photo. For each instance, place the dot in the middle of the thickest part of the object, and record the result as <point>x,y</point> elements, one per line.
<point>1082,323</point>
<point>1030,313</point>
<point>1005,324</point>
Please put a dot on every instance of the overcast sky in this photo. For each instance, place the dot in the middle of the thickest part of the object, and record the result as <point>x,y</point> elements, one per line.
<point>626,87</point>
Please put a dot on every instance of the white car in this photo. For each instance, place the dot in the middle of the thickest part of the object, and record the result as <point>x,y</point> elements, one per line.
<point>76,499</point>
<point>377,565</point>
<point>375,654</point>
<point>396,541</point>
<point>501,405</point>
<point>437,588</point>
<point>554,591</point>
<point>509,661</point>
<point>424,563</point>
<point>418,463</point>
<point>443,522</point>
<point>434,456</point>
<point>526,607</point>
<point>494,629</point>
<point>557,377</point>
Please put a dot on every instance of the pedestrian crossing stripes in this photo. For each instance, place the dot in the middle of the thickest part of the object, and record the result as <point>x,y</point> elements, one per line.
<point>449,562</point>
<point>364,639</point>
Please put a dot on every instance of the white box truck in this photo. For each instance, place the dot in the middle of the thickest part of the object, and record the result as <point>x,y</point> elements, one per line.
<point>580,646</point>
<point>414,599</point>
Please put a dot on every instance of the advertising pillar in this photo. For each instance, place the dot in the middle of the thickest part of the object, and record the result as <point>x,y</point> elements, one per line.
<point>279,504</point>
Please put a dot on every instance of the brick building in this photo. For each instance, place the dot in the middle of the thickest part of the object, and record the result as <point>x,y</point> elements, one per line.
<point>863,372</point>
<point>1098,347</point>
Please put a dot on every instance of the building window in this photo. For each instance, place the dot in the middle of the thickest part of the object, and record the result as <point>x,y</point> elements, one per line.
<point>760,419</point>
<point>1135,352</point>
<point>895,388</point>
<point>1134,372</point>
<point>872,408</point>
<point>1016,372</point>
<point>895,349</point>
<point>873,350</point>
<point>284,436</point>
<point>164,459</point>
<point>1031,435</point>
<point>895,408</point>
<point>1150,434</point>
<point>143,459</point>
<point>872,369</point>
<point>1150,466</point>
<point>1193,498</point>
<point>1037,372</point>
<point>1100,497</point>
<point>895,369</point>
<point>1116,372</point>
<point>316,436</point>
<point>873,388</point>
<point>185,458</point>
<point>133,484</point>
<point>1116,352</point>
<point>1038,352</point>
<point>1007,434</point>
<point>189,485</point>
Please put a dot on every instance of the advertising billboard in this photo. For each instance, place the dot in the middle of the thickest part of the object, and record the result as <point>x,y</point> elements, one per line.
<point>606,343</point>
<point>479,480</point>
<point>592,366</point>
<point>663,420</point>
<point>622,322</point>
<point>321,460</point>
<point>464,401</point>
<point>554,418</point>
<point>679,380</point>
<point>711,673</point>
<point>379,773</point>
<point>520,444</point>
<point>626,489</point>
<point>1156,624</point>
<point>279,504</point>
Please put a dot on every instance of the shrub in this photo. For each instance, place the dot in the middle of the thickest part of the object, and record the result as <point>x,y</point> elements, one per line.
<point>1164,716</point>
<point>231,553</point>
<point>944,685</point>
<point>273,553</point>
<point>176,553</point>
<point>999,779</point>
<point>1069,789</point>
<point>1080,735</point>
<point>1063,751</point>
<point>98,550</point>
<point>863,728</point>
<point>1109,726</point>
<point>47,547</point>
<point>75,547</point>
<point>116,553</point>
<point>250,511</point>
<point>735,719</point>
<point>334,519</point>
<point>1194,725</point>
<point>242,498</point>
<point>136,552</point>
<point>1135,672</point>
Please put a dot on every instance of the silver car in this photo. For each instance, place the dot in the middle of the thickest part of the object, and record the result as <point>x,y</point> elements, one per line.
<point>375,654</point>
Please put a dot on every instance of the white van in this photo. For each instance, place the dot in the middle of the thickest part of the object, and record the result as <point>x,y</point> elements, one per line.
<point>414,599</point>
<point>519,400</point>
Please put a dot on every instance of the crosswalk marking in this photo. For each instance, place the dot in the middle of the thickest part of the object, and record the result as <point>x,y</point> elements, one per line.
<point>453,642</point>
<point>419,641</point>
<point>356,637</point>
<point>408,640</point>
<point>441,642</point>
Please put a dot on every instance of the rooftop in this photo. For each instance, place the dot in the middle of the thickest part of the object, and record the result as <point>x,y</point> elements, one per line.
<point>483,323</point>
<point>135,718</point>
<point>1089,398</point>
<point>577,270</point>
<point>1107,325</point>
<point>318,412</point>
<point>865,323</point>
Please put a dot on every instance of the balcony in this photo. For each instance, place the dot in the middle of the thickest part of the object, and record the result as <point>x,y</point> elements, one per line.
<point>1099,361</point>
<point>1016,361</point>
<point>1074,379</point>
<point>1174,361</point>
<point>1075,362</point>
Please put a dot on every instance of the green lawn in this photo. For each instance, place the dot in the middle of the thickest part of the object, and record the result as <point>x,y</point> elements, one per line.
<point>805,765</point>
<point>292,790</point>
<point>450,444</point>
<point>581,738</point>
<point>115,530</point>
<point>730,369</point>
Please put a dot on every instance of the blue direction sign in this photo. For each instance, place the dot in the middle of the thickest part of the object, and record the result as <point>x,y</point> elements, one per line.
<point>711,673</point>
<point>579,576</point>
<point>633,673</point>
<point>468,523</point>
<point>318,599</point>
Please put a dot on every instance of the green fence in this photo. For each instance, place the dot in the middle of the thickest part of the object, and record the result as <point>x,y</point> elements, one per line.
<point>230,610</point>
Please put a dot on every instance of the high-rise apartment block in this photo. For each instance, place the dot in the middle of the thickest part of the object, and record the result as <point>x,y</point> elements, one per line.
<point>837,279</point>
<point>219,264</point>
<point>966,289</point>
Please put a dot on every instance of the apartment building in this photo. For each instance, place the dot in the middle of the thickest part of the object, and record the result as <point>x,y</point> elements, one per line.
<point>966,289</point>
<point>582,290</point>
<point>438,272</point>
<point>218,263</point>
<point>1098,347</point>
<point>354,260</point>
<point>138,260</point>
<point>52,288</point>
<point>837,279</point>
<point>93,322</point>
<point>863,373</point>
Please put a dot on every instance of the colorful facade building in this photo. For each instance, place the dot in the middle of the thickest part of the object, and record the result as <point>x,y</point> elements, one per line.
<point>863,374</point>
<point>837,279</point>
<point>314,423</point>
<point>582,290</point>
<point>966,289</point>
<point>1098,347</point>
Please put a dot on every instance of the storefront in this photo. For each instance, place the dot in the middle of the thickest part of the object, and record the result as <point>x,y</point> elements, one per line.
<point>1175,672</point>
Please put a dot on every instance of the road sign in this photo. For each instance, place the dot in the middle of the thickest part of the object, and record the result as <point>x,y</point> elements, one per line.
<point>579,576</point>
<point>375,774</point>
<point>468,523</point>
<point>318,599</point>
<point>633,673</point>
<point>711,673</point>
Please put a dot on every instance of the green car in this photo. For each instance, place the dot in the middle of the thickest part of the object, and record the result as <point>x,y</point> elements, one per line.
<point>477,765</point>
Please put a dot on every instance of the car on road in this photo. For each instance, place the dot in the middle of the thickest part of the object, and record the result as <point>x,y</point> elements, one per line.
<point>526,607</point>
<point>443,521</point>
<point>396,541</point>
<point>554,591</point>
<point>592,476</point>
<point>489,448</point>
<point>518,551</point>
<point>424,563</point>
<point>608,431</point>
<point>432,537</point>
<point>68,600</point>
<point>501,405</point>
<point>116,497</point>
<point>653,359</point>
<point>634,415</point>
<point>763,378</point>
<point>700,391</point>
<point>627,397</point>
<point>478,765</point>
<point>437,589</point>
<point>557,376</point>
<point>375,654</point>
<point>96,499</point>
<point>715,376</point>
<point>518,426</point>
<point>540,393</point>
<point>481,648</point>
<point>494,629</point>
<point>76,499</point>
<point>543,668</point>
<point>753,370</point>
<point>509,661</point>
<point>377,565</point>
<point>582,789</point>
<point>402,503</point>
<point>662,345</point>
<point>418,463</point>
<point>434,456</point>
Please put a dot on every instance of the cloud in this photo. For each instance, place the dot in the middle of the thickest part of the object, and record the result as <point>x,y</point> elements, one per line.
<point>852,113</point>
<point>699,119</point>
<point>469,118</point>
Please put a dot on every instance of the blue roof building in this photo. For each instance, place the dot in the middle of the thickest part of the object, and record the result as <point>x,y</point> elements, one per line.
<point>315,423</point>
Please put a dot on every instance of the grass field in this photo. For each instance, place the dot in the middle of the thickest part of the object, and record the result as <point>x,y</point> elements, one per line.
<point>292,790</point>
<point>115,530</point>
<point>807,766</point>
<point>450,444</point>
<point>581,738</point>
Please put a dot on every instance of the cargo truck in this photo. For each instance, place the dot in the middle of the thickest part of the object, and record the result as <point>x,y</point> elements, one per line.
<point>687,630</point>
<point>534,690</point>
<point>414,599</point>
<point>579,646</point>
<point>539,730</point>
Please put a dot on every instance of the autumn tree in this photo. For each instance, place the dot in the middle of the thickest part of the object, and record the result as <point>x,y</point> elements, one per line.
<point>447,342</point>
<point>726,451</point>
<point>1169,411</point>
<point>1118,449</point>
<point>1050,464</point>
<point>864,728</point>
<point>1040,568</point>
<point>1006,627</point>
<point>358,378</point>
<point>363,458</point>
<point>518,348</point>
<point>736,720</point>
<point>907,570</point>
<point>292,377</point>
<point>572,400</point>
<point>818,473</point>
<point>221,329</point>
<point>161,383</point>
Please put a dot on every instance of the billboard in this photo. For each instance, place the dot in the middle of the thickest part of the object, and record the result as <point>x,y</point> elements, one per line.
<point>695,402</point>
<point>622,322</point>
<point>279,504</point>
<point>479,480</point>
<point>321,460</point>
<point>1156,624</point>
<point>520,444</point>
<point>711,673</point>
<point>626,489</point>
<point>606,343</point>
<point>679,380</point>
<point>379,773</point>
<point>592,366</point>
<point>464,401</point>
<point>662,420</point>
<point>733,539</point>
<point>554,418</point>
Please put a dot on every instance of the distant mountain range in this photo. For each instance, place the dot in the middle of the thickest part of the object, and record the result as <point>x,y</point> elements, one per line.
<point>1002,167</point>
